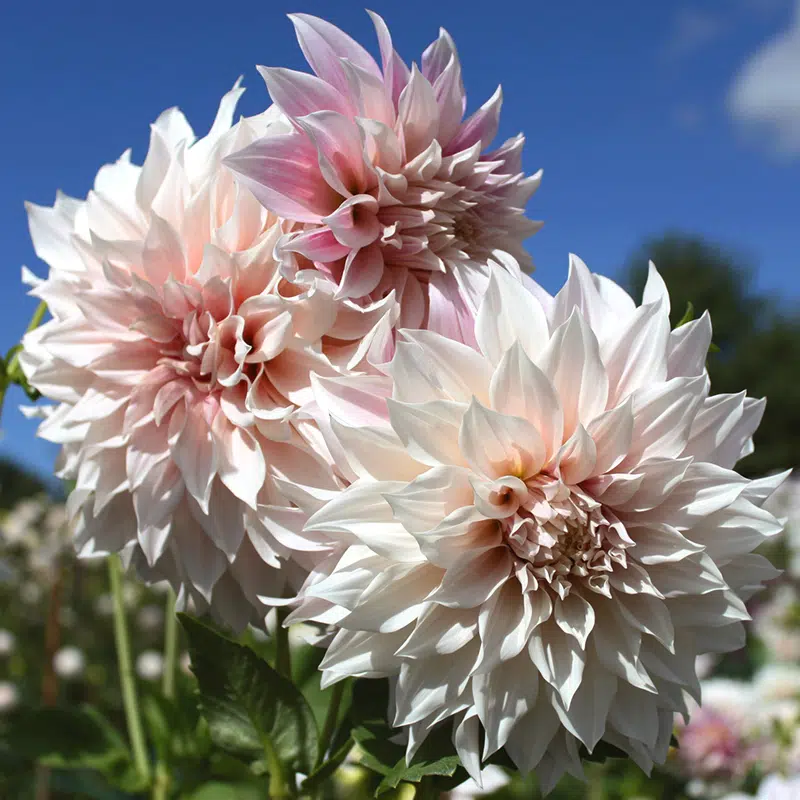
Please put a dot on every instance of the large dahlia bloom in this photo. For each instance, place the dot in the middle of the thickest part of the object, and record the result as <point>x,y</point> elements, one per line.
<point>395,190</point>
<point>177,357</point>
<point>540,535</point>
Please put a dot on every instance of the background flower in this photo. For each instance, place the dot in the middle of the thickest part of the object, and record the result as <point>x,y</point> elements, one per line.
<point>541,536</point>
<point>395,190</point>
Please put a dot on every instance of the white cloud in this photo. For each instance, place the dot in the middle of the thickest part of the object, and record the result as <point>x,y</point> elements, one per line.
<point>766,91</point>
<point>692,30</point>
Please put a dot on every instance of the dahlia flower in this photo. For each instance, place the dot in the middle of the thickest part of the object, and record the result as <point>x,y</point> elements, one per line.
<point>177,357</point>
<point>773,787</point>
<point>392,188</point>
<point>540,535</point>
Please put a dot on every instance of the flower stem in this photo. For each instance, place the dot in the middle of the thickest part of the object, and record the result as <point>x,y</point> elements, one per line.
<point>331,717</point>
<point>279,788</point>
<point>170,647</point>
<point>126,676</point>
<point>163,779</point>
<point>283,656</point>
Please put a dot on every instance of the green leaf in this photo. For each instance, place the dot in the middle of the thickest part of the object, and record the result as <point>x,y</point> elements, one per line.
<point>250,708</point>
<point>688,315</point>
<point>75,739</point>
<point>227,791</point>
<point>68,738</point>
<point>435,757</point>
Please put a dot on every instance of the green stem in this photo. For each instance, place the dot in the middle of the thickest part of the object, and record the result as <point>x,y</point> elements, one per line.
<point>126,676</point>
<point>279,788</point>
<point>331,718</point>
<point>170,647</point>
<point>163,778</point>
<point>283,656</point>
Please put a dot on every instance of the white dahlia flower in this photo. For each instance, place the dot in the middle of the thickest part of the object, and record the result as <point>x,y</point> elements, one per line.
<point>541,535</point>
<point>177,357</point>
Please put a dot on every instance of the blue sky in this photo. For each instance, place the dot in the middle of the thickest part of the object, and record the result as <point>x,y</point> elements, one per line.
<point>644,116</point>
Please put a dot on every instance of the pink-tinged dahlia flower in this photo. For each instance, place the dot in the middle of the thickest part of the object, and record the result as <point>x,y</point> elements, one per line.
<point>540,535</point>
<point>395,190</point>
<point>177,356</point>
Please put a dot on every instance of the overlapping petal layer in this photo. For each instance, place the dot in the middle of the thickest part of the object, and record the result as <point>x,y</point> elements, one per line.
<point>540,534</point>
<point>178,357</point>
<point>392,188</point>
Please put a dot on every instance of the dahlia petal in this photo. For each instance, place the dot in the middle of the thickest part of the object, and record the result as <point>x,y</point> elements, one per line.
<point>395,72</point>
<point>429,431</point>
<point>317,245</point>
<point>662,418</point>
<point>688,348</point>
<point>659,543</point>
<point>355,512</point>
<point>393,599</point>
<point>532,736</point>
<point>472,580</point>
<point>637,358</point>
<point>241,465</point>
<point>496,444</point>
<point>587,716</point>
<point>571,360</point>
<point>362,272</point>
<point>577,457</point>
<point>500,709</point>
<point>612,433</point>
<point>324,45</point>
<point>417,113</point>
<point>617,646</point>
<point>519,388</point>
<point>480,127</point>
<point>466,738</point>
<point>460,371</point>
<point>632,716</point>
<point>580,292</point>
<point>574,616</point>
<point>282,171</point>
<point>298,93</point>
<point>195,453</point>
<point>449,90</point>
<point>354,401</point>
<point>559,659</point>
<point>508,314</point>
<point>223,523</point>
<point>366,655</point>
<point>440,630</point>
<point>650,615</point>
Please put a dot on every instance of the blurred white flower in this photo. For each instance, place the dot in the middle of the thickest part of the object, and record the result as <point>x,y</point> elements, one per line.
<point>777,624</point>
<point>150,665</point>
<point>69,662</point>
<point>104,605</point>
<point>30,593</point>
<point>149,618</point>
<point>7,642</point>
<point>9,696</point>
<point>785,503</point>
<point>773,787</point>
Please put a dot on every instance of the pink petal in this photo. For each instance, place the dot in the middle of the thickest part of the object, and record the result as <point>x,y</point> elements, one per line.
<point>355,223</point>
<point>323,45</point>
<point>418,114</point>
<point>282,171</point>
<point>297,93</point>
<point>317,245</point>
<point>480,127</point>
<point>395,72</point>
<point>362,272</point>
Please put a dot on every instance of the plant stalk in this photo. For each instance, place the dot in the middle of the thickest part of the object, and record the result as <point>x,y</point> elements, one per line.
<point>127,680</point>
<point>331,718</point>
<point>283,655</point>
<point>163,779</point>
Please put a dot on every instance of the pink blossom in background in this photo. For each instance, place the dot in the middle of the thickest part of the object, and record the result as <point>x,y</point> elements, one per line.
<point>392,189</point>
<point>717,742</point>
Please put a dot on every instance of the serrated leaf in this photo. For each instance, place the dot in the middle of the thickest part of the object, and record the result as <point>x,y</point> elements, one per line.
<point>318,777</point>
<point>251,709</point>
<point>435,757</point>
